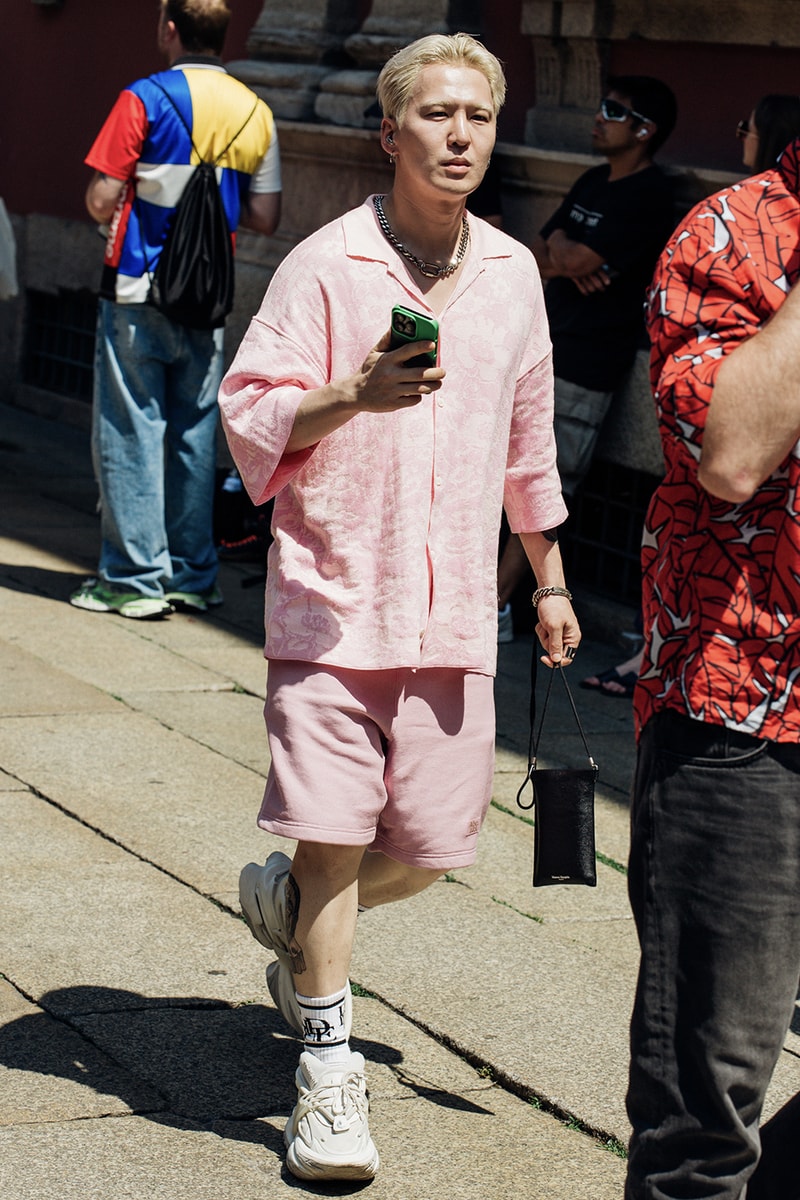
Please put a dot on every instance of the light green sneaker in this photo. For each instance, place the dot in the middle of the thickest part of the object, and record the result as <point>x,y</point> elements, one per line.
<point>196,601</point>
<point>95,595</point>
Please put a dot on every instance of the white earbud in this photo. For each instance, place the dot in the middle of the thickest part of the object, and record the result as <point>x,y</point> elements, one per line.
<point>642,133</point>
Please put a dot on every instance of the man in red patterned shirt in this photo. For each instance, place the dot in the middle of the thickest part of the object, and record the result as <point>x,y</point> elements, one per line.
<point>715,853</point>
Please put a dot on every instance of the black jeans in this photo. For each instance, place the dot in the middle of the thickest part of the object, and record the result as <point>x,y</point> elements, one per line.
<point>715,890</point>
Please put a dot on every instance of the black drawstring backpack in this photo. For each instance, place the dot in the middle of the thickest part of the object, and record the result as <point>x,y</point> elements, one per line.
<point>193,280</point>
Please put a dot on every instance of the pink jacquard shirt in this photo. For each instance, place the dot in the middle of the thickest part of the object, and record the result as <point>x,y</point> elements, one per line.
<point>385,531</point>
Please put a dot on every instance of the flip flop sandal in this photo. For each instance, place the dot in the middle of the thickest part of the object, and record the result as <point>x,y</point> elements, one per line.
<point>597,683</point>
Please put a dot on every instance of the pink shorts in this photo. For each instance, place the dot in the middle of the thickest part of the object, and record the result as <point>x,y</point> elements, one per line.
<point>400,761</point>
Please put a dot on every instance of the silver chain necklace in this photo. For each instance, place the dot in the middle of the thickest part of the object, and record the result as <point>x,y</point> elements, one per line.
<point>431,270</point>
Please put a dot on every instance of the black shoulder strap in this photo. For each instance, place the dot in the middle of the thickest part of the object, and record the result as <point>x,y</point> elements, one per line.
<point>197,152</point>
<point>222,153</point>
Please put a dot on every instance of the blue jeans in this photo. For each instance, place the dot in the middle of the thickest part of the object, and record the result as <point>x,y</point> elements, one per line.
<point>154,431</point>
<point>715,890</point>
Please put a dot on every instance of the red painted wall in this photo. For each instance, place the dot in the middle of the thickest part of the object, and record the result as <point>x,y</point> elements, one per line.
<point>715,86</point>
<point>63,67</point>
<point>501,24</point>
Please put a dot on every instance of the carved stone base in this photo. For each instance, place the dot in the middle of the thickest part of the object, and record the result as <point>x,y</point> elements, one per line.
<point>346,98</point>
<point>290,89</point>
<point>308,31</point>
<point>391,26</point>
<point>568,87</point>
<point>559,129</point>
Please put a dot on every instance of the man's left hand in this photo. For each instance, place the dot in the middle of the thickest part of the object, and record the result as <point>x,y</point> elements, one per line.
<point>558,631</point>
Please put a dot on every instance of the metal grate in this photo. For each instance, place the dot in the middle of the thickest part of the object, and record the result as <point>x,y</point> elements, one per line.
<point>59,344</point>
<point>602,539</point>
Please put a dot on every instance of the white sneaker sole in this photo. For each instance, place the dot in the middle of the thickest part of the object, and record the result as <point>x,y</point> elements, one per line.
<point>135,610</point>
<point>306,1166</point>
<point>311,1169</point>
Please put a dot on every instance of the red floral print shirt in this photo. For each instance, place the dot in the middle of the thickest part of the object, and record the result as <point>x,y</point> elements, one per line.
<point>721,582</point>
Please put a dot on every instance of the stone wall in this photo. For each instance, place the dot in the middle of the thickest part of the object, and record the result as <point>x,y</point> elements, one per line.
<point>316,62</point>
<point>326,170</point>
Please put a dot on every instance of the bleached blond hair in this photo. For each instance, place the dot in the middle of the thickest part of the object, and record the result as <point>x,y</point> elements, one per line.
<point>396,80</point>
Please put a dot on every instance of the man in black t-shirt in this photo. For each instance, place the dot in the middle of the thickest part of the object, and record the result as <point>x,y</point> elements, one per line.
<point>597,253</point>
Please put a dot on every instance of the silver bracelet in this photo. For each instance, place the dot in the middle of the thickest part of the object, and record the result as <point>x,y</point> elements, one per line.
<point>540,594</point>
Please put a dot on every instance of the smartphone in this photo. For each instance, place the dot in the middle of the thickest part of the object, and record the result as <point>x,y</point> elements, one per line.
<point>409,326</point>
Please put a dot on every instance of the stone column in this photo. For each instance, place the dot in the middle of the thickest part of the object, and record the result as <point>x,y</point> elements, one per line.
<point>348,97</point>
<point>569,74</point>
<point>292,47</point>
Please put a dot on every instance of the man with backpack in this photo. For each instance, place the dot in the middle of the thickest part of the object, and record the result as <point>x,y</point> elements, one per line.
<point>166,289</point>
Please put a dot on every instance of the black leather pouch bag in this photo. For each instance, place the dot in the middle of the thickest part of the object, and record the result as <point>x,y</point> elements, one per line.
<point>563,803</point>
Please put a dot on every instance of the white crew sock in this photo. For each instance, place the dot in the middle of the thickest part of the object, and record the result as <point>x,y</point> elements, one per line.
<point>323,1026</point>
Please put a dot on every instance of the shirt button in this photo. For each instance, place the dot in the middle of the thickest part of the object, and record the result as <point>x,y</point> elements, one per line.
<point>438,480</point>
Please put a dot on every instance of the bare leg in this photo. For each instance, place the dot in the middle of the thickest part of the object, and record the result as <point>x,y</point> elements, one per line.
<point>383,880</point>
<point>325,886</point>
<point>322,900</point>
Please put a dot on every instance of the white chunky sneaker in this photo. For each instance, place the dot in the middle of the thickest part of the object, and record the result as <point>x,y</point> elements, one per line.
<point>327,1135</point>
<point>262,896</point>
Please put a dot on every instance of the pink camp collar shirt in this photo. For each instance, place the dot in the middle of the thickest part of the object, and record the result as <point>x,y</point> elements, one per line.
<point>385,531</point>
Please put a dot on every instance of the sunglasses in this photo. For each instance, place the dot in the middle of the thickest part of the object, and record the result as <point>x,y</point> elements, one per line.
<point>612,110</point>
<point>743,129</point>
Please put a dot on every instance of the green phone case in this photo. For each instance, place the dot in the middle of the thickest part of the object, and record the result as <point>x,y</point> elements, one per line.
<point>409,326</point>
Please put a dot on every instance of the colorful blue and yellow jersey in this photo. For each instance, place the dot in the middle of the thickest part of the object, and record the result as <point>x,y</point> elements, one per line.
<point>154,141</point>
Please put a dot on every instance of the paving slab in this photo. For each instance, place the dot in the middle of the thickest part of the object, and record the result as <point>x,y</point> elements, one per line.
<point>166,798</point>
<point>9,784</point>
<point>50,1072</point>
<point>238,1062</point>
<point>440,1125</point>
<point>32,687</point>
<point>467,1139</point>
<point>102,649</point>
<point>88,926</point>
<point>164,1159</point>
<point>564,1026</point>
<point>130,1158</point>
<point>504,871</point>
<point>29,562</point>
<point>232,723</point>
<point>226,650</point>
<point>566,1031</point>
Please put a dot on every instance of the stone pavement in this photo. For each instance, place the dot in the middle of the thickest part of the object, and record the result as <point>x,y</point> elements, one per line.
<point>140,1055</point>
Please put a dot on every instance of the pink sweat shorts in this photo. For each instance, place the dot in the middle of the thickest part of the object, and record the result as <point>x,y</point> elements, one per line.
<point>400,761</point>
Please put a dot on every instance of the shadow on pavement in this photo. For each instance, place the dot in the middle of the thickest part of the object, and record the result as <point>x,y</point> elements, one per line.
<point>181,1058</point>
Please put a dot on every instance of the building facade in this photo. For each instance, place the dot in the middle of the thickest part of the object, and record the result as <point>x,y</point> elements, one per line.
<point>316,62</point>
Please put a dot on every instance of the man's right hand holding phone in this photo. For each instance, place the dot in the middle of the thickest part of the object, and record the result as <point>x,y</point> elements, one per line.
<point>385,383</point>
<point>391,380</point>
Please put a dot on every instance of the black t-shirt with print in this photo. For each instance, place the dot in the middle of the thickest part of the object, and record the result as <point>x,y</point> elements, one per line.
<point>627,223</point>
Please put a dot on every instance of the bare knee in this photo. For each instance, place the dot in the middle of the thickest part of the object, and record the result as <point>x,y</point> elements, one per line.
<point>331,868</point>
<point>383,880</point>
